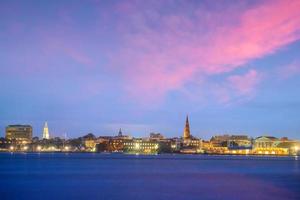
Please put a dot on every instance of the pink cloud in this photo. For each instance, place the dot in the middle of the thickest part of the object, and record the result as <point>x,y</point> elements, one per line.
<point>77,55</point>
<point>244,84</point>
<point>181,49</point>
<point>289,70</point>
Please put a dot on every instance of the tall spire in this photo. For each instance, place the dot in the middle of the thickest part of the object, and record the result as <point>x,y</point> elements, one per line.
<point>186,133</point>
<point>120,133</point>
<point>46,131</point>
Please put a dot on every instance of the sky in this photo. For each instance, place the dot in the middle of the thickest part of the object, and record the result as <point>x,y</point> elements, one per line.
<point>143,66</point>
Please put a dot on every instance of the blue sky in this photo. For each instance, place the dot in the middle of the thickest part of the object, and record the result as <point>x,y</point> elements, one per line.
<point>97,66</point>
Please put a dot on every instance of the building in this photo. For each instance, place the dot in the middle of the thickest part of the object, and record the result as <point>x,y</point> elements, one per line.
<point>116,144</point>
<point>190,143</point>
<point>143,146</point>
<point>265,142</point>
<point>90,144</point>
<point>220,140</point>
<point>156,136</point>
<point>231,141</point>
<point>240,141</point>
<point>20,133</point>
<point>269,145</point>
<point>176,144</point>
<point>46,132</point>
<point>4,144</point>
<point>186,132</point>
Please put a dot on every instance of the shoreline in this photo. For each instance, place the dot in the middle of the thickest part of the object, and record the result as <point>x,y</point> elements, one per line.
<point>140,154</point>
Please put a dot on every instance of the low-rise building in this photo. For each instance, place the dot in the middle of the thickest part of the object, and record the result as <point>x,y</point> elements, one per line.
<point>143,146</point>
<point>265,142</point>
<point>240,141</point>
<point>265,145</point>
<point>90,144</point>
<point>156,136</point>
<point>220,140</point>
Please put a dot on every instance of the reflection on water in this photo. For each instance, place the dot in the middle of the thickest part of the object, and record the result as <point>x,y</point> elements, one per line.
<point>115,176</point>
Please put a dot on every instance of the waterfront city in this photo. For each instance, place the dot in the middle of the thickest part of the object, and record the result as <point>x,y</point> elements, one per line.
<point>19,138</point>
<point>149,100</point>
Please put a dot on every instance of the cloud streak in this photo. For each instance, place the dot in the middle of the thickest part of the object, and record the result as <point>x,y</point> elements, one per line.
<point>163,52</point>
<point>244,84</point>
<point>290,70</point>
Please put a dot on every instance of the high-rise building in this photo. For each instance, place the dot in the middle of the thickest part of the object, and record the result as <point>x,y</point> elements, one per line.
<point>21,133</point>
<point>46,132</point>
<point>187,133</point>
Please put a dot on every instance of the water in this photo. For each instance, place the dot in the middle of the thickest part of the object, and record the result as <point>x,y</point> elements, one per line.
<point>115,176</point>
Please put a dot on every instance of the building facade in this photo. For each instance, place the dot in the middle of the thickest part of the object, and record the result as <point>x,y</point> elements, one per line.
<point>270,145</point>
<point>20,133</point>
<point>46,132</point>
<point>143,146</point>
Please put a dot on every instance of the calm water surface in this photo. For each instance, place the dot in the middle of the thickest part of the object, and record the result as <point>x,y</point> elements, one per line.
<point>113,176</point>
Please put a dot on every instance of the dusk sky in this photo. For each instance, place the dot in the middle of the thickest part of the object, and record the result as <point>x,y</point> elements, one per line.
<point>97,66</point>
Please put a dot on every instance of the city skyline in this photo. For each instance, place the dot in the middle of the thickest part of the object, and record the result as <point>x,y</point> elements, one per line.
<point>186,133</point>
<point>97,66</point>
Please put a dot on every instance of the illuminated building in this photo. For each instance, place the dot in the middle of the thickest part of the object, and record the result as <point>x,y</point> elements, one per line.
<point>265,142</point>
<point>142,146</point>
<point>116,145</point>
<point>191,144</point>
<point>46,132</point>
<point>20,133</point>
<point>231,141</point>
<point>240,141</point>
<point>266,145</point>
<point>90,143</point>
<point>176,144</point>
<point>186,133</point>
<point>5,144</point>
<point>220,140</point>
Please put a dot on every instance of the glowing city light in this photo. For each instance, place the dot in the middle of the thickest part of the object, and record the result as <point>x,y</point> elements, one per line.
<point>38,148</point>
<point>11,148</point>
<point>137,145</point>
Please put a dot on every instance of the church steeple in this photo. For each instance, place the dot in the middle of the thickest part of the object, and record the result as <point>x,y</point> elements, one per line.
<point>46,131</point>
<point>187,133</point>
<point>120,133</point>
